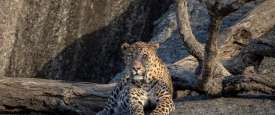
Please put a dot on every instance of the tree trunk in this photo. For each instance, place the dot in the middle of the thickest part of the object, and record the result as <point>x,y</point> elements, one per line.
<point>40,95</point>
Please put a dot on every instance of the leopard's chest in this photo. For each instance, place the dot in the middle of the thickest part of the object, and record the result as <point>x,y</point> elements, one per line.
<point>148,88</point>
<point>150,97</point>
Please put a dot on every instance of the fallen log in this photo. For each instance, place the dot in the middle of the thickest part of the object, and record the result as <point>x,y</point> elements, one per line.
<point>51,96</point>
<point>19,95</point>
<point>31,95</point>
<point>24,95</point>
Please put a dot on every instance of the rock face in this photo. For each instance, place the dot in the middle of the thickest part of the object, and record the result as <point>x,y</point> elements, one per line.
<point>70,40</point>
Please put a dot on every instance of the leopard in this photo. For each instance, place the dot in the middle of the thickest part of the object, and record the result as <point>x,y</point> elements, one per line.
<point>146,82</point>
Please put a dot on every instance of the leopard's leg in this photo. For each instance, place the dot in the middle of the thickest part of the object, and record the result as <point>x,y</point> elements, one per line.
<point>137,98</point>
<point>109,107</point>
<point>111,104</point>
<point>165,104</point>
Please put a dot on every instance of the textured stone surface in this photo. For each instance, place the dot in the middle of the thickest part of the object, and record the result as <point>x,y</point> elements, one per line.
<point>225,106</point>
<point>70,39</point>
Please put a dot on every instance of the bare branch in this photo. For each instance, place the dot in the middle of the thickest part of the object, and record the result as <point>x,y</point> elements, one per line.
<point>194,47</point>
<point>212,68</point>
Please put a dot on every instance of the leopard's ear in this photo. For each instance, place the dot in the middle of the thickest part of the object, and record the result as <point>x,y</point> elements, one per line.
<point>125,46</point>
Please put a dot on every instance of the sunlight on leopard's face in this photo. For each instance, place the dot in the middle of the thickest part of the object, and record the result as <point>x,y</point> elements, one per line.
<point>137,58</point>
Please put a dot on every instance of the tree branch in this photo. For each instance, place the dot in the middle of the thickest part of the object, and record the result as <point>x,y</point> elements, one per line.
<point>190,42</point>
<point>258,21</point>
<point>254,82</point>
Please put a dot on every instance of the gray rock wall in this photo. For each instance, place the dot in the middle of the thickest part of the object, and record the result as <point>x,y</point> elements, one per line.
<point>70,39</point>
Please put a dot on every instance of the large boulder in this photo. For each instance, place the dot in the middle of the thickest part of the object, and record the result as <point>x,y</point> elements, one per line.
<point>71,39</point>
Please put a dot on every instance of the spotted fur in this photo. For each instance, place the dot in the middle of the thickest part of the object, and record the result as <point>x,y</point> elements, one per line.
<point>147,81</point>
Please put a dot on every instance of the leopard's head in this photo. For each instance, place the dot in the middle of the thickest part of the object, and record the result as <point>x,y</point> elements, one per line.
<point>138,57</point>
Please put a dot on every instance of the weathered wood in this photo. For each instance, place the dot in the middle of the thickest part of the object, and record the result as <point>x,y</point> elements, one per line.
<point>223,7</point>
<point>211,77</point>
<point>257,22</point>
<point>60,97</point>
<point>196,49</point>
<point>193,46</point>
<point>53,96</point>
<point>250,55</point>
<point>29,94</point>
<point>237,37</point>
<point>252,82</point>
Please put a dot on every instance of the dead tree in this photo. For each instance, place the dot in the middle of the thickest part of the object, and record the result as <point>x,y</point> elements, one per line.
<point>238,51</point>
<point>51,96</point>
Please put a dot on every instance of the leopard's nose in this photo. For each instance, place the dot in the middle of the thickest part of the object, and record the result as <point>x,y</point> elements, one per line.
<point>136,66</point>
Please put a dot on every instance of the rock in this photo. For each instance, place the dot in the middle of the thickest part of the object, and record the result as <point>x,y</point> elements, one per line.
<point>71,40</point>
